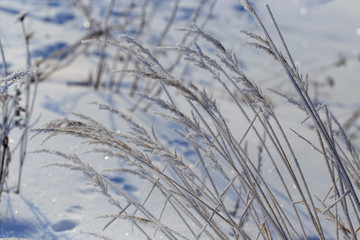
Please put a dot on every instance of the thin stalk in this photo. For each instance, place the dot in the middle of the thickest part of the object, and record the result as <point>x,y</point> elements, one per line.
<point>3,162</point>
<point>317,120</point>
<point>102,61</point>
<point>266,129</point>
<point>24,139</point>
<point>3,60</point>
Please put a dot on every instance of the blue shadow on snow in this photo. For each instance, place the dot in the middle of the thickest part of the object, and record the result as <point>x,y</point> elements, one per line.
<point>37,226</point>
<point>54,3</point>
<point>60,18</point>
<point>50,49</point>
<point>120,181</point>
<point>9,10</point>
<point>8,65</point>
<point>12,227</point>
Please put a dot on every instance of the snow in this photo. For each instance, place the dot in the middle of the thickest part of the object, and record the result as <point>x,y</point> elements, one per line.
<point>57,203</point>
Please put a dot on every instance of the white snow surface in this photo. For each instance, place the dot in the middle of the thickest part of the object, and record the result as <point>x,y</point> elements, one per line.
<point>57,203</point>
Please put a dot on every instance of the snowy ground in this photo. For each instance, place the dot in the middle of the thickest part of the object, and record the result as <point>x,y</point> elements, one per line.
<point>56,203</point>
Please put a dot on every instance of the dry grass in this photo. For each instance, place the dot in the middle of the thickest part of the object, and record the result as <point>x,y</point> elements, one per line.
<point>224,194</point>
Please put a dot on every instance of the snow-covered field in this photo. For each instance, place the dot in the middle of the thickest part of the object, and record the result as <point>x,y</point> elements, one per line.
<point>56,203</point>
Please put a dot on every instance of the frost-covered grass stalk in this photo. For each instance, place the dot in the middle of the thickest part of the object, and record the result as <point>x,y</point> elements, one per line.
<point>16,113</point>
<point>29,101</point>
<point>12,116</point>
<point>222,193</point>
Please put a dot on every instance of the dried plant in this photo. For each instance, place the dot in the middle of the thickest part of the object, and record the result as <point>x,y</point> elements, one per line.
<point>135,20</point>
<point>13,115</point>
<point>16,113</point>
<point>223,193</point>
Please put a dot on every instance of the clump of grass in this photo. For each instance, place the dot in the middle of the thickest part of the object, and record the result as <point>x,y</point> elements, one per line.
<point>223,194</point>
<point>12,115</point>
<point>16,113</point>
<point>133,18</point>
